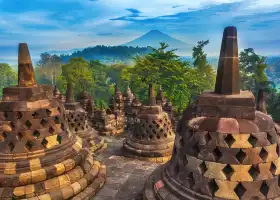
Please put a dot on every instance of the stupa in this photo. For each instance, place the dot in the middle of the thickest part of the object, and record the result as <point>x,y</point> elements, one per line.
<point>224,148</point>
<point>40,158</point>
<point>79,123</point>
<point>128,98</point>
<point>58,95</point>
<point>152,137</point>
<point>160,98</point>
<point>261,106</point>
<point>83,99</point>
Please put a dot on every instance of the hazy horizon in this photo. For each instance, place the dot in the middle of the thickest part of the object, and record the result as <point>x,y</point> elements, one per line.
<point>50,25</point>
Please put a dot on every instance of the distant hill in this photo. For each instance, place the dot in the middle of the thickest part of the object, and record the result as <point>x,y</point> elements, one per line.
<point>154,37</point>
<point>108,54</point>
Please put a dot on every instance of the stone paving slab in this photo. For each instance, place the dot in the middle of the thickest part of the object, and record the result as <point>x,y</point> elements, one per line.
<point>125,176</point>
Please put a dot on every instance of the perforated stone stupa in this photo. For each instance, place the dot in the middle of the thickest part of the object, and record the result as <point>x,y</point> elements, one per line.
<point>224,148</point>
<point>40,158</point>
<point>152,137</point>
<point>79,123</point>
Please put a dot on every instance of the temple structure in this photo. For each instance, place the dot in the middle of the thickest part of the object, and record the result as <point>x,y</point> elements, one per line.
<point>261,106</point>
<point>112,120</point>
<point>58,95</point>
<point>40,158</point>
<point>169,109</point>
<point>160,98</point>
<point>152,137</point>
<point>83,99</point>
<point>79,124</point>
<point>224,148</point>
<point>129,117</point>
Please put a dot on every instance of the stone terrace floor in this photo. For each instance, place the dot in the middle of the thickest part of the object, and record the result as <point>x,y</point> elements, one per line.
<point>125,177</point>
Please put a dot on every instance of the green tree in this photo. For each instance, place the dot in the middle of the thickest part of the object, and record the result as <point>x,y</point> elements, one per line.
<point>163,67</point>
<point>205,70</point>
<point>252,69</point>
<point>8,77</point>
<point>78,72</point>
<point>48,68</point>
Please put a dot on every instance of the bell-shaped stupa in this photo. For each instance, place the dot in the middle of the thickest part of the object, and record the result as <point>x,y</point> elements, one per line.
<point>40,158</point>
<point>79,124</point>
<point>224,148</point>
<point>152,137</point>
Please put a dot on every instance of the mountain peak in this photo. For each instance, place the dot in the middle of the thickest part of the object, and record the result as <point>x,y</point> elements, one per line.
<point>154,37</point>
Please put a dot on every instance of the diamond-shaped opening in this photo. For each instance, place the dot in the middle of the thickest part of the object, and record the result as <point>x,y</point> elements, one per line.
<point>36,134</point>
<point>72,116</point>
<point>29,145</point>
<point>158,136</point>
<point>160,120</point>
<point>35,115</point>
<point>49,112</point>
<point>75,120</point>
<point>161,130</point>
<point>165,135</point>
<point>229,140</point>
<point>213,187</point>
<point>264,189</point>
<point>252,140</point>
<point>202,168</point>
<point>272,168</point>
<point>181,142</point>
<point>190,133</point>
<point>217,154</point>
<point>154,131</point>
<point>11,146</point>
<point>6,115</point>
<point>240,190</point>
<point>59,139</point>
<point>263,154</point>
<point>150,137</point>
<point>254,172</point>
<point>269,138</point>
<point>4,134</point>
<point>44,122</point>
<point>19,115</point>
<point>79,124</point>
<point>51,130</point>
<point>44,142</point>
<point>196,149</point>
<point>20,136</point>
<point>154,122</point>
<point>76,129</point>
<point>207,137</point>
<point>240,156</point>
<point>56,120</point>
<point>28,124</point>
<point>157,126</point>
<point>190,180</point>
<point>150,126</point>
<point>228,171</point>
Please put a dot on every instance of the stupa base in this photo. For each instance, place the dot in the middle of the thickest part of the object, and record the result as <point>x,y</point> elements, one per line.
<point>159,153</point>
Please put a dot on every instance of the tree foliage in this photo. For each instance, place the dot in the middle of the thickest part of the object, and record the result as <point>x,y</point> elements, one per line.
<point>8,77</point>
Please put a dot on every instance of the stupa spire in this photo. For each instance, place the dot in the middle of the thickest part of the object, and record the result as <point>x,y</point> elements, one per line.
<point>261,106</point>
<point>151,97</point>
<point>69,93</point>
<point>227,80</point>
<point>26,75</point>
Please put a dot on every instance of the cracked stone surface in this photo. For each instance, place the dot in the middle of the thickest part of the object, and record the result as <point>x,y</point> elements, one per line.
<point>125,176</point>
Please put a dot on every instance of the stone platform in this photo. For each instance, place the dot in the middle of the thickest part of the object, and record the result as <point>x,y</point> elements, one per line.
<point>125,176</point>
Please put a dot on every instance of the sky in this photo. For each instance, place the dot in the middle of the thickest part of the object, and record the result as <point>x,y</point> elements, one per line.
<point>56,25</point>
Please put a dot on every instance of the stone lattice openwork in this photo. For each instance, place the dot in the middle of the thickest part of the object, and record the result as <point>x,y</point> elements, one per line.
<point>224,148</point>
<point>152,137</point>
<point>79,124</point>
<point>40,158</point>
<point>83,99</point>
